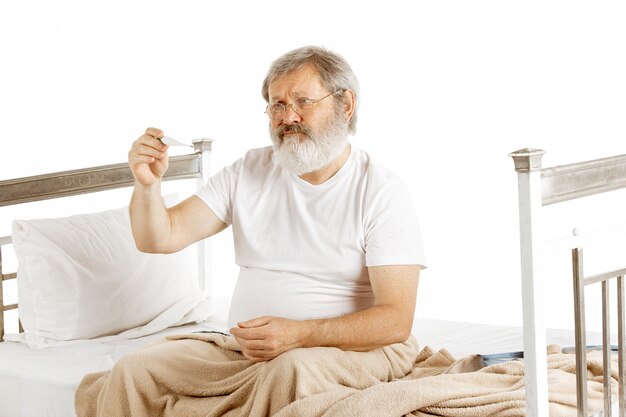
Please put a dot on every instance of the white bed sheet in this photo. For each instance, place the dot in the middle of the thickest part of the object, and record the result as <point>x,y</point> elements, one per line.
<point>462,338</point>
<point>41,382</point>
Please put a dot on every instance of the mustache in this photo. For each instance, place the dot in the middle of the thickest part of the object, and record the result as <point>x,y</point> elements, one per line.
<point>295,128</point>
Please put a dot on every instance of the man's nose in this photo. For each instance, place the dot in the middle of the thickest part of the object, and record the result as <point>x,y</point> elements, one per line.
<point>291,116</point>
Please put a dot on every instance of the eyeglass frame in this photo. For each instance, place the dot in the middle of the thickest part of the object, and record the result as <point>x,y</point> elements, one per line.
<point>292,104</point>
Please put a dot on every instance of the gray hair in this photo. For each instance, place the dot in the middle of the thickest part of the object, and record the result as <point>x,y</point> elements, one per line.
<point>335,73</point>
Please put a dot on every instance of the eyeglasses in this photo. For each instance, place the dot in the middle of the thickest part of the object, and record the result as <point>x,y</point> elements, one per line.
<point>302,106</point>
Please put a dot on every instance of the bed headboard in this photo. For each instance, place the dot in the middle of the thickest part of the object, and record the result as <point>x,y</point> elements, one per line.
<point>94,179</point>
<point>539,187</point>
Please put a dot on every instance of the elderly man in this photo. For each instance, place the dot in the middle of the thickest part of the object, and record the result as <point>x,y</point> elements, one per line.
<point>326,239</point>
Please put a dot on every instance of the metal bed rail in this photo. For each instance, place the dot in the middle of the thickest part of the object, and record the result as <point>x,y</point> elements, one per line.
<point>580,282</point>
<point>86,180</point>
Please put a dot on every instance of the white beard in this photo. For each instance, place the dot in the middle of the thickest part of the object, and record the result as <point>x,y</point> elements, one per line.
<point>306,152</point>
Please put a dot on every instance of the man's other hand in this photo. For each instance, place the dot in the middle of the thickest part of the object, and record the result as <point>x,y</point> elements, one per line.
<point>264,338</point>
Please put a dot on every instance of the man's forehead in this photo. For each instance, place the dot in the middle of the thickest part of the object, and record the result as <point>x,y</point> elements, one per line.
<point>302,81</point>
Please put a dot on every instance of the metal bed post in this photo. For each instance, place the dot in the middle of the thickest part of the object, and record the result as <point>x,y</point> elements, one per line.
<point>606,348</point>
<point>203,146</point>
<point>528,167</point>
<point>621,346</point>
<point>1,298</point>
<point>6,240</point>
<point>580,332</point>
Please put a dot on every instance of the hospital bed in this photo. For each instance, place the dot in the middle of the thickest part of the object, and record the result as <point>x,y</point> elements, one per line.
<point>38,376</point>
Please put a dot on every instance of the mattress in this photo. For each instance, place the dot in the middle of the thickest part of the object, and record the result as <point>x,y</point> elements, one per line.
<point>462,338</point>
<point>41,382</point>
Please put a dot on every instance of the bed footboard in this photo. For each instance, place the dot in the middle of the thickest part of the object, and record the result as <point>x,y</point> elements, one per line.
<point>539,187</point>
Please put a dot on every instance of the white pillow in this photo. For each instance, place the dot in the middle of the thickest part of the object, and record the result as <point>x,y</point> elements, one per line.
<point>81,277</point>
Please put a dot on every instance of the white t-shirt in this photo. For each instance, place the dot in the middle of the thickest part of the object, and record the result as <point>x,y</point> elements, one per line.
<point>303,249</point>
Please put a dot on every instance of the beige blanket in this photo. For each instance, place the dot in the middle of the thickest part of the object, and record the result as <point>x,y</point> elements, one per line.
<point>206,375</point>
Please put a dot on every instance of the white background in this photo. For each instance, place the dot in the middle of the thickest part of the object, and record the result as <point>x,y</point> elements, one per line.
<point>448,89</point>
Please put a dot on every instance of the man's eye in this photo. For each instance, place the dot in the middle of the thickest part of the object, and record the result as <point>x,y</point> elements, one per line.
<point>304,102</point>
<point>277,107</point>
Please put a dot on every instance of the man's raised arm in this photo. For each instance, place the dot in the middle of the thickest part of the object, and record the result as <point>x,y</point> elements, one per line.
<point>155,228</point>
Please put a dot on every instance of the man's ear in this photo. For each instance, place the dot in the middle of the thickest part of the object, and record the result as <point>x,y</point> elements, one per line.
<point>349,103</point>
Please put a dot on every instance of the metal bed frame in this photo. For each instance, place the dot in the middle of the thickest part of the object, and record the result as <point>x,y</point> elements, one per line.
<point>539,187</point>
<point>106,177</point>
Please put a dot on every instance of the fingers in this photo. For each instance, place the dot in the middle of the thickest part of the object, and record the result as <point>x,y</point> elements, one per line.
<point>142,156</point>
<point>256,350</point>
<point>148,146</point>
<point>252,343</point>
<point>151,141</point>
<point>154,150</point>
<point>154,132</point>
<point>264,338</point>
<point>250,334</point>
<point>140,159</point>
<point>252,329</point>
<point>260,321</point>
<point>148,157</point>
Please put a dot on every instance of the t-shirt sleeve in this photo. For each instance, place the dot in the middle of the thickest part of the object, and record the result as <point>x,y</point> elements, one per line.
<point>219,191</point>
<point>392,232</point>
